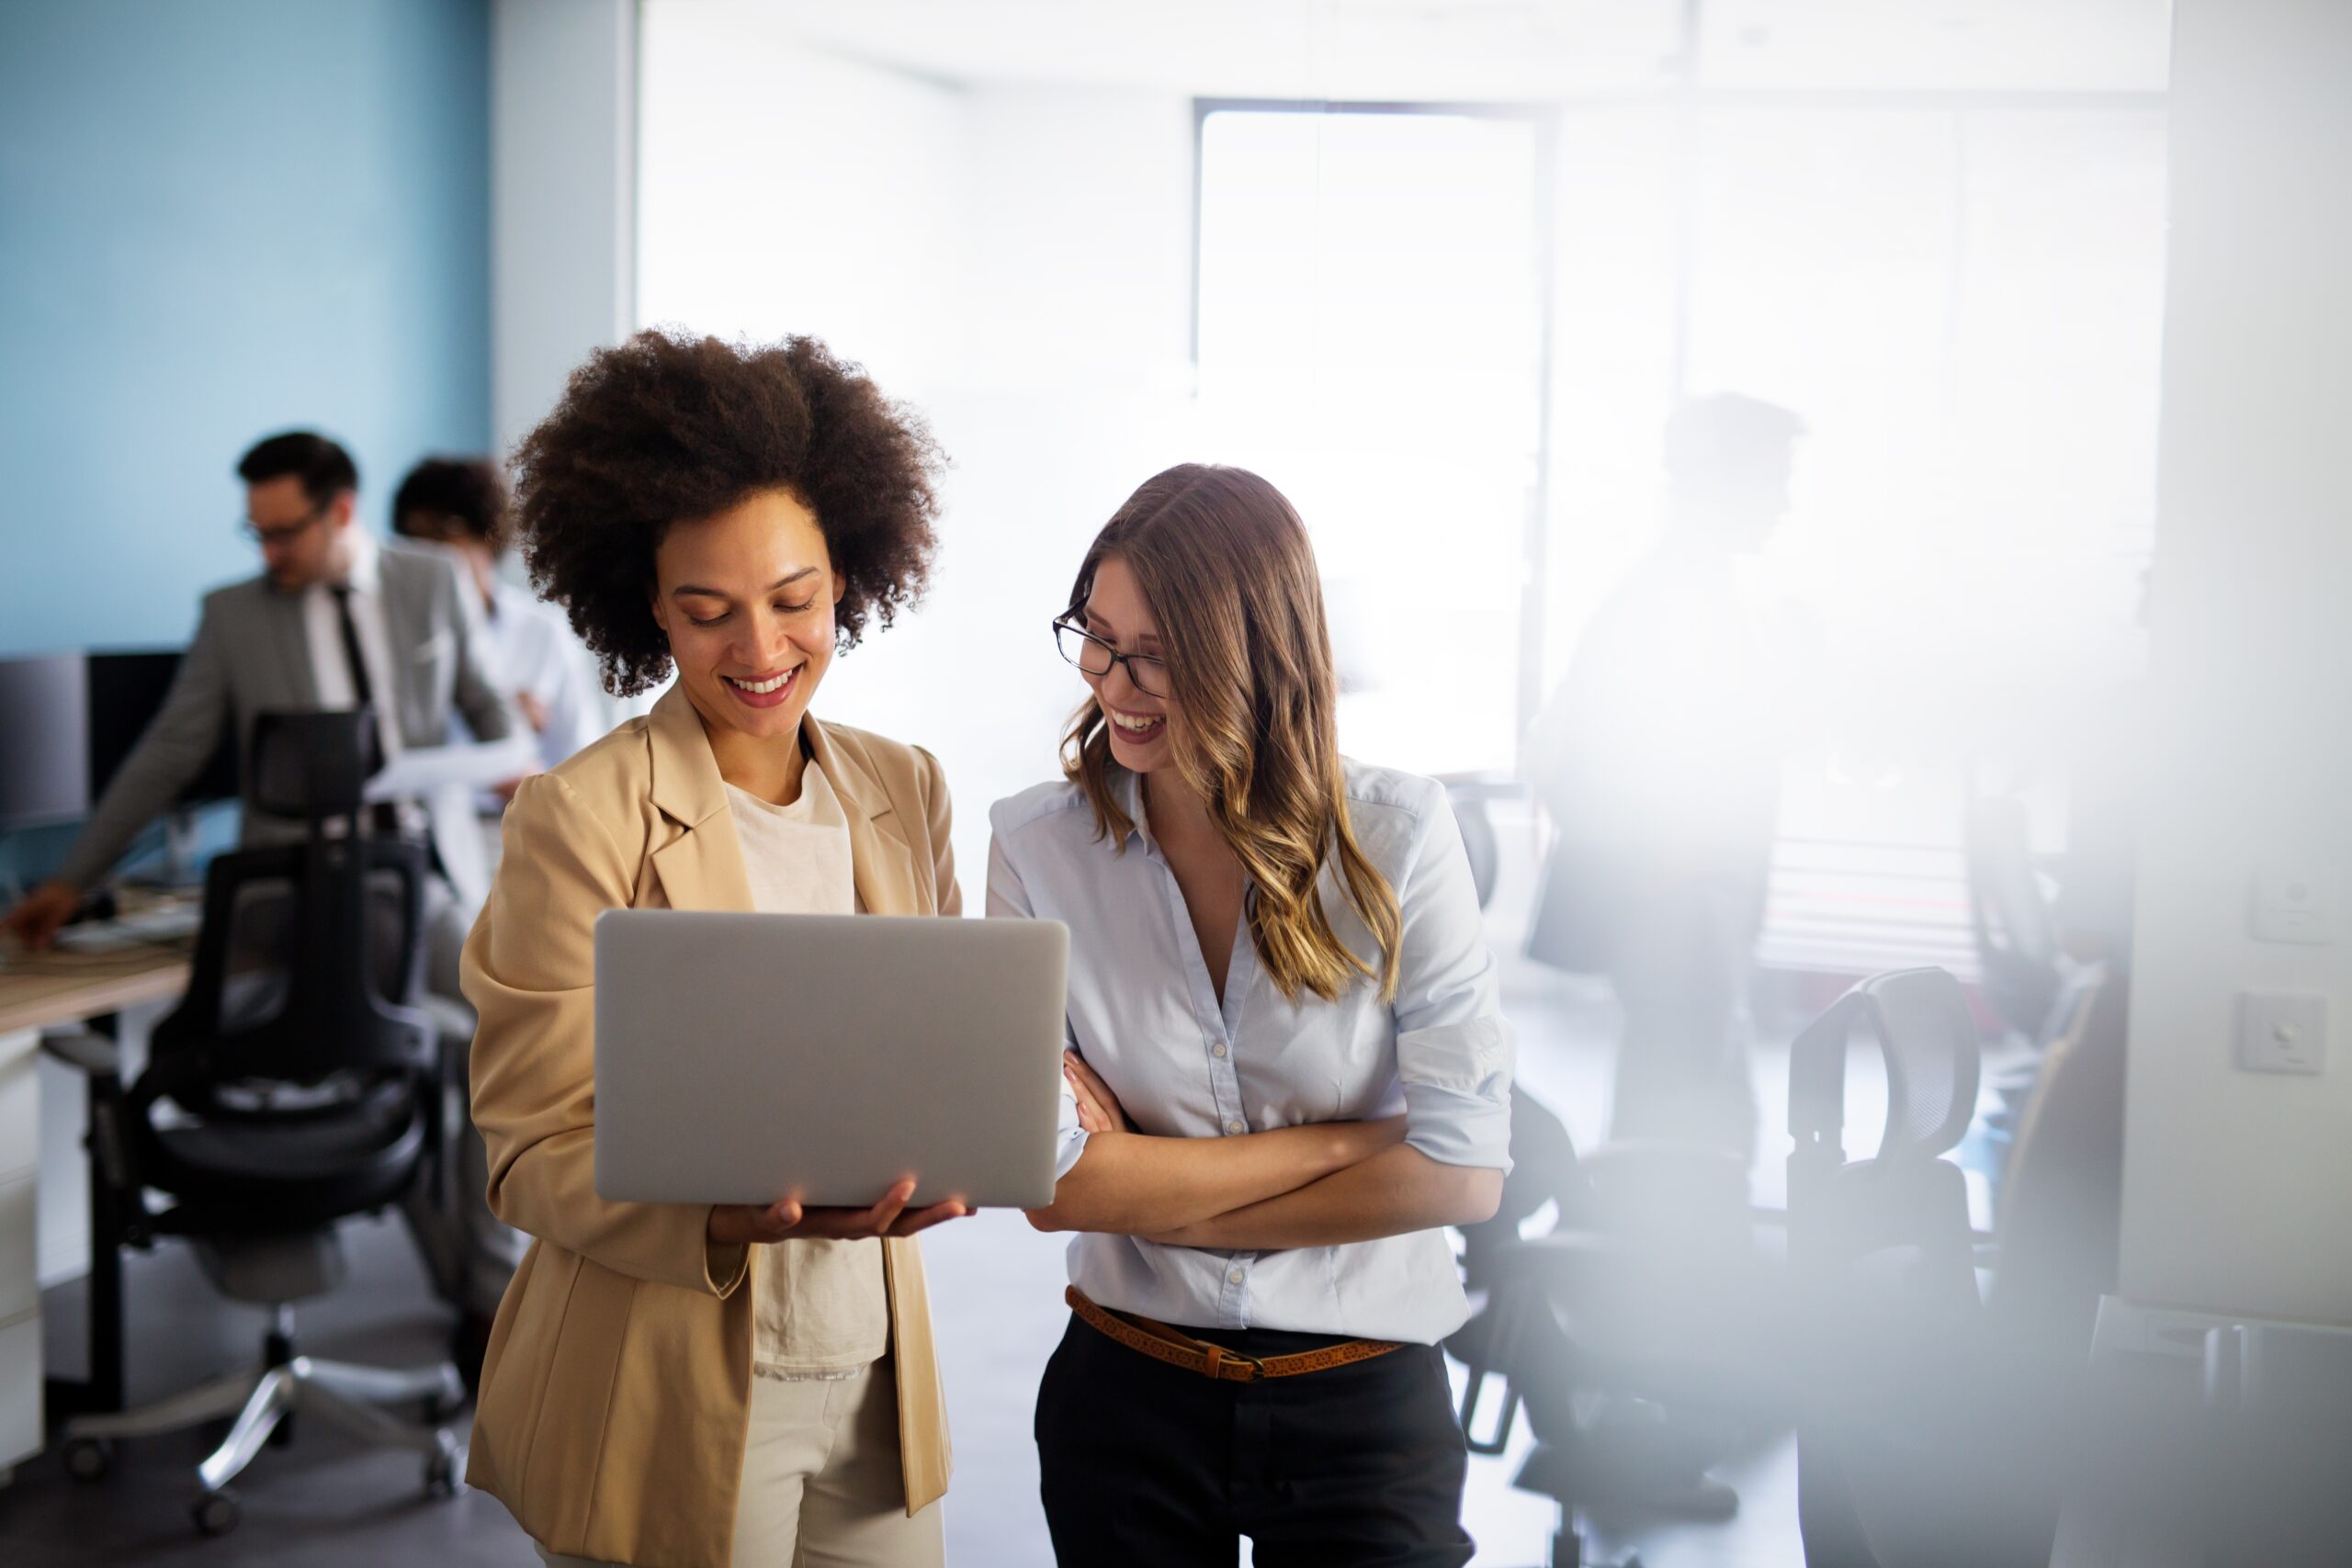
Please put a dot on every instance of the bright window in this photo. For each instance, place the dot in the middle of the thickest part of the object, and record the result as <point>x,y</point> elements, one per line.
<point>1371,340</point>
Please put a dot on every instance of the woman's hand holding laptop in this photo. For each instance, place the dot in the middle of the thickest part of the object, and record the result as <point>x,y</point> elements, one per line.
<point>785,1220</point>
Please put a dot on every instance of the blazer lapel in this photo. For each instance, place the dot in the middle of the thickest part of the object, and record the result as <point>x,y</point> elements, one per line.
<point>879,857</point>
<point>702,868</point>
<point>291,642</point>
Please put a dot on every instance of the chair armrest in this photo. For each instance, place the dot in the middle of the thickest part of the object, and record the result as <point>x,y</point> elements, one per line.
<point>85,1052</point>
<point>1553,1261</point>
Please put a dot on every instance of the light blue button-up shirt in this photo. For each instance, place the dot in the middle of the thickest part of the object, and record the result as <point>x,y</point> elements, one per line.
<point>1145,1016</point>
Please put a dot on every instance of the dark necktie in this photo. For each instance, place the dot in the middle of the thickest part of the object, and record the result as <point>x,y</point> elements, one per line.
<point>384,816</point>
<point>364,695</point>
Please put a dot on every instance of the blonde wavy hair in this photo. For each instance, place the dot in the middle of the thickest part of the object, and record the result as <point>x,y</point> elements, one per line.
<point>1225,564</point>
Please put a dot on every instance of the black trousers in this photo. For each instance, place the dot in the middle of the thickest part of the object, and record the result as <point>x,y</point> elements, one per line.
<point>1145,1465</point>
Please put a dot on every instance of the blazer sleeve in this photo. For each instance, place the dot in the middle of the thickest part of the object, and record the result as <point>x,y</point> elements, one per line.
<point>940,823</point>
<point>177,743</point>
<point>530,973</point>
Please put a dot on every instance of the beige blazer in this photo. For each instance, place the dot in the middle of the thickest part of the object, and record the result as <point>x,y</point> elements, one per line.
<point>616,1391</point>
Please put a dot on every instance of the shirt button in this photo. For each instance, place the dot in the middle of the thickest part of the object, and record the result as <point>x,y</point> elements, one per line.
<point>1237,1127</point>
<point>1217,1051</point>
<point>1234,1278</point>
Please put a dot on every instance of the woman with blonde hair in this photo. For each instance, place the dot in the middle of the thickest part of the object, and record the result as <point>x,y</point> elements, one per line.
<point>1288,1068</point>
<point>696,1386</point>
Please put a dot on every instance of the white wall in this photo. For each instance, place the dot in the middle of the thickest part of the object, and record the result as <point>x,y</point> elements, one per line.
<point>2238,1188</point>
<point>788,193</point>
<point>1072,388</point>
<point>563,145</point>
<point>1014,262</point>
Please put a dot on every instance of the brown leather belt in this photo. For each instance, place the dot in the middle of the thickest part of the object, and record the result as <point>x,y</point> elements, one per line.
<point>1179,1350</point>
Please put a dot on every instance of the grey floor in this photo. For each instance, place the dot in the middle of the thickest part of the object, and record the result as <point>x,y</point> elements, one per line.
<point>996,1285</point>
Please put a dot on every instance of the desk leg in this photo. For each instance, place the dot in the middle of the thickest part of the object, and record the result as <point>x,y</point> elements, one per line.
<point>21,1426</point>
<point>100,1391</point>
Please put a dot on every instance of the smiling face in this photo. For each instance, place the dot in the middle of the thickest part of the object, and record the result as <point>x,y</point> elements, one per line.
<point>1116,610</point>
<point>746,599</point>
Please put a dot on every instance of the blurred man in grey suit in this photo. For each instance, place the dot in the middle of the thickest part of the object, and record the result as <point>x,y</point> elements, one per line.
<point>334,621</point>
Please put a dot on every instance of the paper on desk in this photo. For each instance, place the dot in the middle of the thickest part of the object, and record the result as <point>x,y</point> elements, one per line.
<point>428,770</point>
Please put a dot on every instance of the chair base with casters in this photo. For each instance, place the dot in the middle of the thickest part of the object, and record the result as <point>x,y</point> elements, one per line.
<point>365,1403</point>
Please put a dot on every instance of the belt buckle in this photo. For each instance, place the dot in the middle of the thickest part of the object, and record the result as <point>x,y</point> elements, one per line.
<point>1219,1354</point>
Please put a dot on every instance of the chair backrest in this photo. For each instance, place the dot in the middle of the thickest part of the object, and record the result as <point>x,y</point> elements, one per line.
<point>1927,1037</point>
<point>311,955</point>
<point>1883,1254</point>
<point>308,962</point>
<point>1544,1170</point>
<point>1904,1196</point>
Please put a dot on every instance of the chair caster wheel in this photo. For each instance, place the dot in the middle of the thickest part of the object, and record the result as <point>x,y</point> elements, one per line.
<point>215,1513</point>
<point>441,1469</point>
<point>88,1459</point>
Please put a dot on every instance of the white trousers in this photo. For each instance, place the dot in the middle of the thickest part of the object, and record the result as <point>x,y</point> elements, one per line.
<point>822,1486</point>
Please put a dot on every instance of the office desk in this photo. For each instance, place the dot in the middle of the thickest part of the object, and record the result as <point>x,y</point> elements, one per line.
<point>37,992</point>
<point>2196,1454</point>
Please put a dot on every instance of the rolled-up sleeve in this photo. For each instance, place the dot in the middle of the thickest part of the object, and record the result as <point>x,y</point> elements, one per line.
<point>1454,1047</point>
<point>1009,899</point>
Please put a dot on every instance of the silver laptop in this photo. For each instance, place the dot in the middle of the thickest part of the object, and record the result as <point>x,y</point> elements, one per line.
<point>744,1058</point>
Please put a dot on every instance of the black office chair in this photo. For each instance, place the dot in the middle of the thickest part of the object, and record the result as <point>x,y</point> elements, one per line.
<point>1924,1440</point>
<point>292,1087</point>
<point>1652,1285</point>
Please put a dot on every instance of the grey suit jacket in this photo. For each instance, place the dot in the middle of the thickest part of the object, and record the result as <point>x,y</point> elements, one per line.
<point>251,657</point>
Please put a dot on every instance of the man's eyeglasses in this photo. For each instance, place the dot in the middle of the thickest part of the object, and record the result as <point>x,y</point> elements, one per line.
<point>280,532</point>
<point>1095,657</point>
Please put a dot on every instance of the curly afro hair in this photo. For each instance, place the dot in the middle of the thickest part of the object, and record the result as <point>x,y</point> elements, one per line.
<point>668,428</point>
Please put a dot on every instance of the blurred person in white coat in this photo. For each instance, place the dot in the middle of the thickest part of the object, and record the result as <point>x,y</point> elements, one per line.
<point>461,503</point>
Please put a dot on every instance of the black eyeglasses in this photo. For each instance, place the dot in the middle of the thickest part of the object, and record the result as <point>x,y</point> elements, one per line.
<point>1095,657</point>
<point>282,533</point>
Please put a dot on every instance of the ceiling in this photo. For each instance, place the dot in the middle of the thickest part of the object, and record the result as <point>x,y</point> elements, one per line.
<point>1438,50</point>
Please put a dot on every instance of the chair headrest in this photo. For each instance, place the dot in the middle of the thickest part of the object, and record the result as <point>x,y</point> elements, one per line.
<point>1925,1031</point>
<point>312,764</point>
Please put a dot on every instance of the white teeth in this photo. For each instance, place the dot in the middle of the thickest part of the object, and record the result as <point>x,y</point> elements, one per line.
<point>1137,725</point>
<point>763,687</point>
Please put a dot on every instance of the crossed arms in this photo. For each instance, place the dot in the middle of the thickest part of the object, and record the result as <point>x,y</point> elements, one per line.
<point>1318,1185</point>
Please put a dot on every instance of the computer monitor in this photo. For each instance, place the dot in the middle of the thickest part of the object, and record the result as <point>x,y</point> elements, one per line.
<point>44,740</point>
<point>126,691</point>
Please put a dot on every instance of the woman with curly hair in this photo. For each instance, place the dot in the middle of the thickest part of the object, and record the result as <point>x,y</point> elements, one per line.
<point>696,1387</point>
<point>1289,1071</point>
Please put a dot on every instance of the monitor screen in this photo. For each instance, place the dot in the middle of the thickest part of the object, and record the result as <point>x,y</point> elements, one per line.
<point>44,740</point>
<point>126,691</point>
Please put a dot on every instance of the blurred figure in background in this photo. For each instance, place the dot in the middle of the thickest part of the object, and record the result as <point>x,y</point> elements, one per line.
<point>1658,759</point>
<point>460,503</point>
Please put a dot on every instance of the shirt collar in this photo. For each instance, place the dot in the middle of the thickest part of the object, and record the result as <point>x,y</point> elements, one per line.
<point>366,574</point>
<point>1127,790</point>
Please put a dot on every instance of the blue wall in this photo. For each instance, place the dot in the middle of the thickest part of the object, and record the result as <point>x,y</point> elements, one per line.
<point>218,220</point>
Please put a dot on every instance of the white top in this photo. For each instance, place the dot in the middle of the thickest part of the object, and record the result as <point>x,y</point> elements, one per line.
<point>1145,1014</point>
<point>820,1305</point>
<point>534,651</point>
<point>322,634</point>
